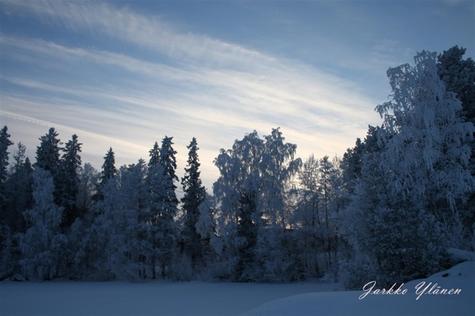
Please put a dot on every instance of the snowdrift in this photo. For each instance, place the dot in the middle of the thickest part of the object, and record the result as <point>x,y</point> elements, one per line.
<point>346,303</point>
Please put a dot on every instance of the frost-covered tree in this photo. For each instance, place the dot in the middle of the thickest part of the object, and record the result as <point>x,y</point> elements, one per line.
<point>307,217</point>
<point>102,237</point>
<point>42,244</point>
<point>68,180</point>
<point>329,187</point>
<point>316,215</point>
<point>87,189</point>
<point>194,194</point>
<point>85,239</point>
<point>118,224</point>
<point>426,142</point>
<point>237,183</point>
<point>277,166</point>
<point>163,207</point>
<point>257,169</point>
<point>404,207</point>
<point>206,229</point>
<point>164,231</point>
<point>136,246</point>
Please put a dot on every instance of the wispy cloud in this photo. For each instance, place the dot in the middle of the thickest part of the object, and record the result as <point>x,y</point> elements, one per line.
<point>149,32</point>
<point>208,88</point>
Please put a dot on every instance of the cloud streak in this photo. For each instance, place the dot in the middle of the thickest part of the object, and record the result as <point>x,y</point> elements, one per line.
<point>195,86</point>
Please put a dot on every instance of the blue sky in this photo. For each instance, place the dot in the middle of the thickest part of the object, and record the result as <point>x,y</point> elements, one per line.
<point>127,73</point>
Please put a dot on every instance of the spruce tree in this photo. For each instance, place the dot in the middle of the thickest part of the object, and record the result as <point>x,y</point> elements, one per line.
<point>168,161</point>
<point>247,233</point>
<point>108,167</point>
<point>459,77</point>
<point>163,206</point>
<point>108,172</point>
<point>194,194</point>
<point>19,190</point>
<point>154,154</point>
<point>6,249</point>
<point>4,144</point>
<point>69,179</point>
<point>48,152</point>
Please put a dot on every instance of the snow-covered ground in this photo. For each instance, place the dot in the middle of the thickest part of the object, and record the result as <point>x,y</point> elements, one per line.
<point>199,298</point>
<point>346,303</point>
<point>141,299</point>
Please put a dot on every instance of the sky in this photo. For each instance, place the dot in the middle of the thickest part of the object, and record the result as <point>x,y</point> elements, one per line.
<point>126,73</point>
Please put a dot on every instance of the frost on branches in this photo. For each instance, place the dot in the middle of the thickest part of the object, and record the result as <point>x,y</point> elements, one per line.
<point>405,204</point>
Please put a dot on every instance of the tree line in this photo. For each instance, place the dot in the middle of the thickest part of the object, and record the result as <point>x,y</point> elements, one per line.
<point>388,210</point>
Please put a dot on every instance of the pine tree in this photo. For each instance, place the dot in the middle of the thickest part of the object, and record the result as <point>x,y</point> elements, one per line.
<point>194,194</point>
<point>69,180</point>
